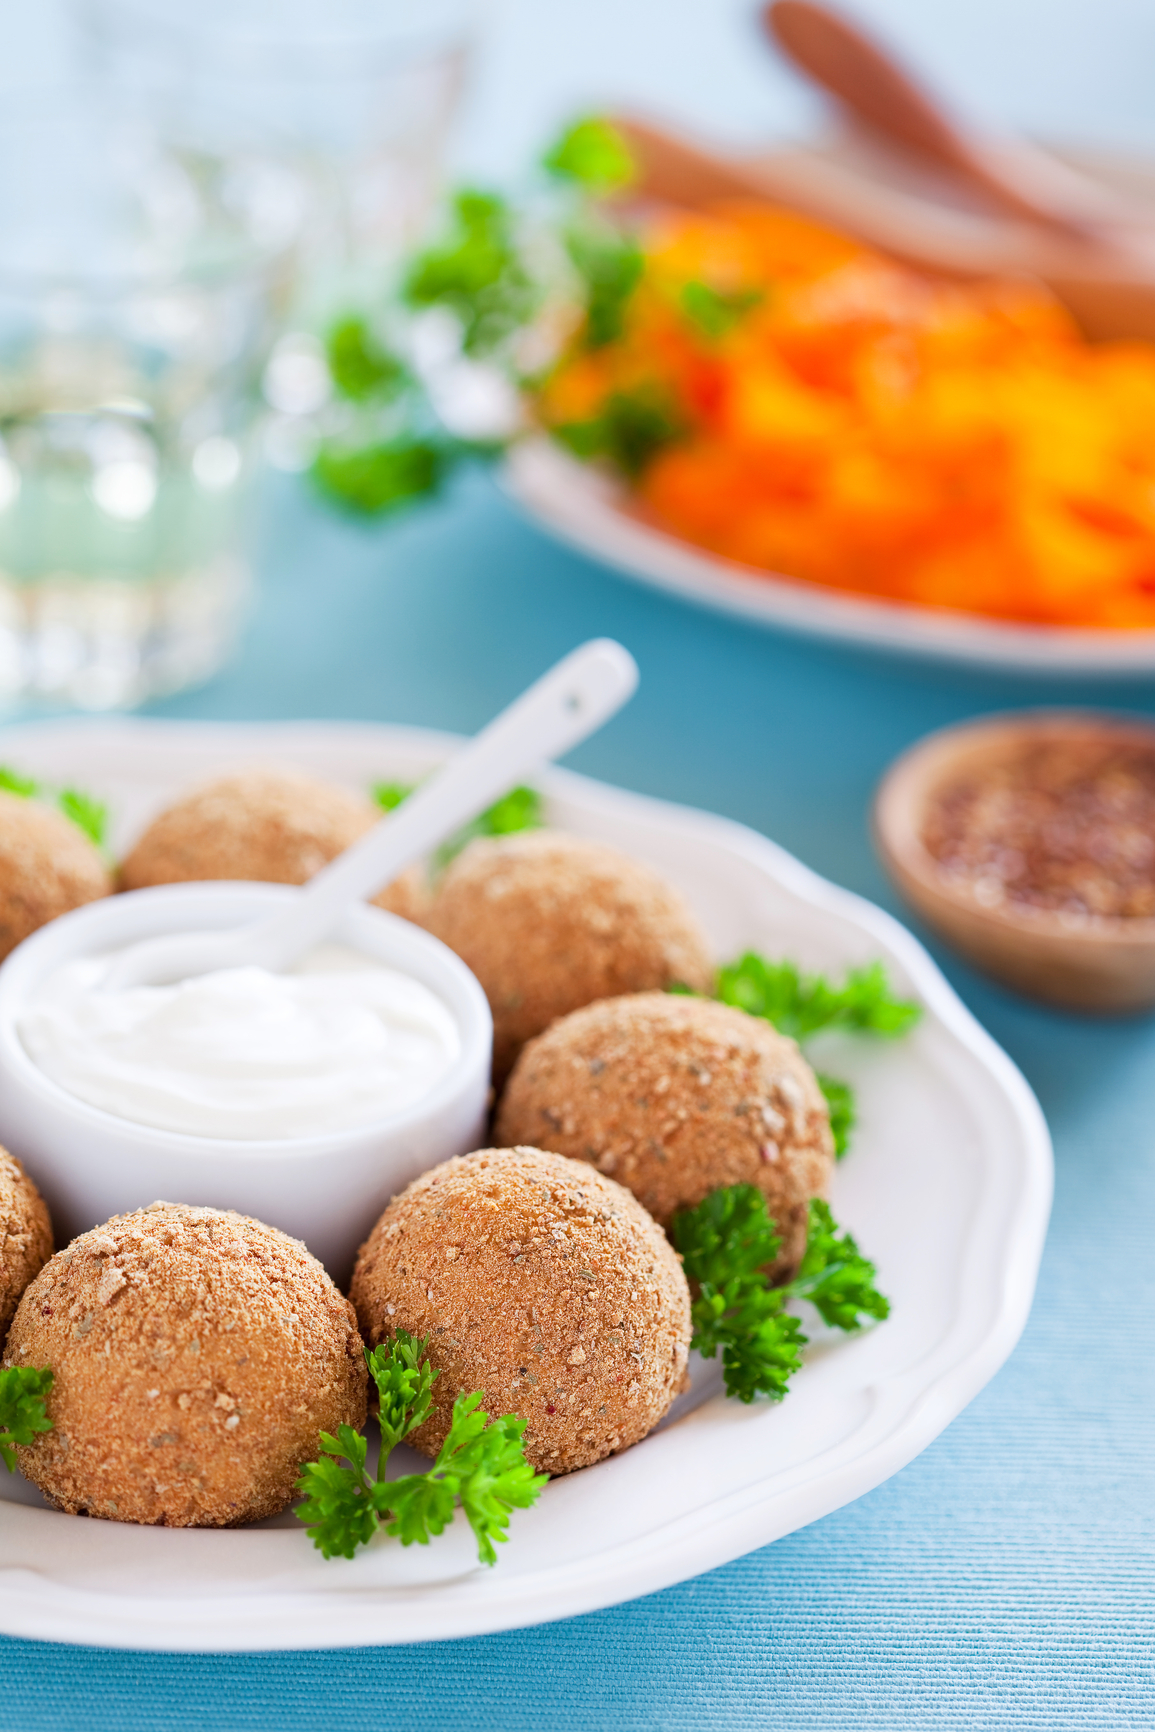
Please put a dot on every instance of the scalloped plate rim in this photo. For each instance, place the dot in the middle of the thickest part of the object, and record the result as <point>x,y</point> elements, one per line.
<point>699,1537</point>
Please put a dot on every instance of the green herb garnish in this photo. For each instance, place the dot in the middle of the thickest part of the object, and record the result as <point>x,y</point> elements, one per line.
<point>713,312</point>
<point>480,1468</point>
<point>629,433</point>
<point>23,1390</point>
<point>725,1244</point>
<point>840,1104</point>
<point>87,814</point>
<point>370,479</point>
<point>477,272</point>
<point>389,795</point>
<point>801,1004</point>
<point>594,155</point>
<point>610,264</point>
<point>520,809</point>
<point>360,366</point>
<point>12,782</point>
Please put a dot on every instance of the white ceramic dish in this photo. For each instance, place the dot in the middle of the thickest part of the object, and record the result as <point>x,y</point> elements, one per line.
<point>326,1190</point>
<point>948,1187</point>
<point>585,508</point>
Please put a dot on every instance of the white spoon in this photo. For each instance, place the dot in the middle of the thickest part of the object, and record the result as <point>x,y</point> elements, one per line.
<point>557,712</point>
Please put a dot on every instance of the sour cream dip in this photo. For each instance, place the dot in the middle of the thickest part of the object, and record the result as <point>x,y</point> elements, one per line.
<point>243,1053</point>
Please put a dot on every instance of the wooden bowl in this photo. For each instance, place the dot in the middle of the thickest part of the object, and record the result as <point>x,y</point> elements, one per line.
<point>1105,963</point>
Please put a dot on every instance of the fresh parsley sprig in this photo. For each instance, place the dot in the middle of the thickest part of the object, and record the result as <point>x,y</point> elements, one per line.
<point>87,814</point>
<point>23,1391</point>
<point>801,1005</point>
<point>480,1468</point>
<point>843,1110</point>
<point>520,809</point>
<point>477,271</point>
<point>725,1244</point>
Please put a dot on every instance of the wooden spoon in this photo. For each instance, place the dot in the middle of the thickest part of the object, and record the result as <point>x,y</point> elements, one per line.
<point>1109,288</point>
<point>883,95</point>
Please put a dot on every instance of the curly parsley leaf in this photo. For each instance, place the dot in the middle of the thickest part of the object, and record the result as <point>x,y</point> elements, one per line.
<point>370,479</point>
<point>714,312</point>
<point>404,1382</point>
<point>87,814</point>
<point>840,1104</point>
<point>520,809</point>
<point>835,1276</point>
<point>477,273</point>
<point>361,367</point>
<point>23,1391</point>
<point>389,795</point>
<point>12,782</point>
<point>338,1508</point>
<point>802,1004</point>
<point>481,1467</point>
<point>610,265</point>
<point>592,154</point>
<point>728,1238</point>
<point>725,1244</point>
<point>632,428</point>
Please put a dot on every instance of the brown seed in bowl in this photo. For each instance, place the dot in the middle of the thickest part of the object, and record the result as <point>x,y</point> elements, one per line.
<point>197,1354</point>
<point>541,1283</point>
<point>270,826</point>
<point>675,1097</point>
<point>1092,951</point>
<point>47,867</point>
<point>25,1235</point>
<point>549,922</point>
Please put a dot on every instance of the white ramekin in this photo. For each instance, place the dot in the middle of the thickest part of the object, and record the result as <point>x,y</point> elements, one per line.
<point>326,1190</point>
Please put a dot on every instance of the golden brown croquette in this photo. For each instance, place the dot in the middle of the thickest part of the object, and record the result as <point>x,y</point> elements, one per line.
<point>47,867</point>
<point>273,826</point>
<point>197,1354</point>
<point>675,1096</point>
<point>549,922</point>
<point>25,1235</point>
<point>541,1283</point>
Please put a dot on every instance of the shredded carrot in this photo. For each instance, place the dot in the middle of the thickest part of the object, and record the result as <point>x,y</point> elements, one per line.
<point>818,411</point>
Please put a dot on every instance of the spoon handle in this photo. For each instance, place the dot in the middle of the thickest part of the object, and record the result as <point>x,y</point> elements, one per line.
<point>576,696</point>
<point>873,86</point>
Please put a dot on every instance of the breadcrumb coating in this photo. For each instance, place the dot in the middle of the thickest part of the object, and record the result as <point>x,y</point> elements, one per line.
<point>25,1235</point>
<point>549,922</point>
<point>197,1353</point>
<point>47,867</point>
<point>541,1283</point>
<point>674,1097</point>
<point>272,826</point>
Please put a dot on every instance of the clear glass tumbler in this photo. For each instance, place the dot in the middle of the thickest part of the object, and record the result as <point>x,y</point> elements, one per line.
<point>140,291</point>
<point>359,93</point>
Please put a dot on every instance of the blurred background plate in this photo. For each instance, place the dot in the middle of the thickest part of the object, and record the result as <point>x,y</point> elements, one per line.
<point>589,511</point>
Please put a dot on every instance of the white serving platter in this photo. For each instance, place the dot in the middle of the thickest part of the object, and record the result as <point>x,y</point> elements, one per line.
<point>588,509</point>
<point>948,1188</point>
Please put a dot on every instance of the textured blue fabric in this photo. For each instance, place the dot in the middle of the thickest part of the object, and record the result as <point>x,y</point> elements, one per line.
<point>1004,1579</point>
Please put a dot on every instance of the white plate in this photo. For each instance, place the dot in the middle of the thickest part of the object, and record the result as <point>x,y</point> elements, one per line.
<point>948,1187</point>
<point>583,507</point>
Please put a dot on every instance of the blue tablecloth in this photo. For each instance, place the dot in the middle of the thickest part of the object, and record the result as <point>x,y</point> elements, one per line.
<point>1003,1579</point>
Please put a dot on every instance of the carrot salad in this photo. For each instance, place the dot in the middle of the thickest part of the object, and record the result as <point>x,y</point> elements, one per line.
<point>794,401</point>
